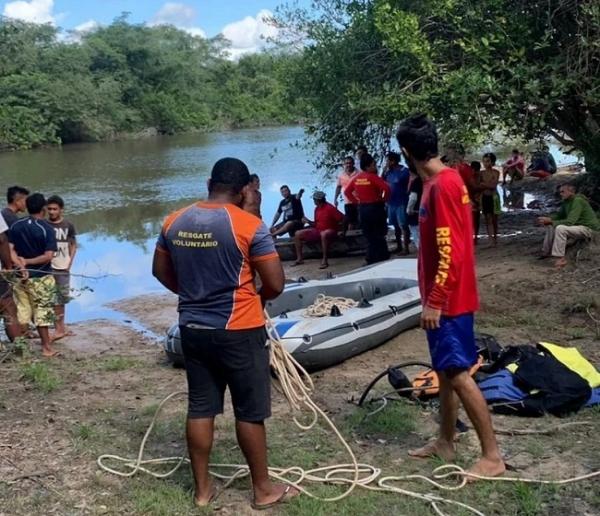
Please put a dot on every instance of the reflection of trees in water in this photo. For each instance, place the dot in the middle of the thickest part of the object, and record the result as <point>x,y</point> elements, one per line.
<point>135,223</point>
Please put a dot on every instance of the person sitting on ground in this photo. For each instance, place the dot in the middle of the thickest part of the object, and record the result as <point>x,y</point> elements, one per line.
<point>490,201</point>
<point>448,285</point>
<point>62,262</point>
<point>208,254</point>
<point>8,309</point>
<point>576,220</point>
<point>398,176</point>
<point>33,239</point>
<point>293,213</point>
<point>371,193</point>
<point>350,208</point>
<point>514,167</point>
<point>253,200</point>
<point>542,164</point>
<point>16,196</point>
<point>476,199</point>
<point>324,229</point>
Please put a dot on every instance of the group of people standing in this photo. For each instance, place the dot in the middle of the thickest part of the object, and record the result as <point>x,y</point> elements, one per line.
<point>36,253</point>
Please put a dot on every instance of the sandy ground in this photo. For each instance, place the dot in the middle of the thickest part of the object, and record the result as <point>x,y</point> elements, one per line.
<point>110,377</point>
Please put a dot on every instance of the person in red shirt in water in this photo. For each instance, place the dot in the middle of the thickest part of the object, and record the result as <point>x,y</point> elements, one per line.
<point>328,221</point>
<point>371,192</point>
<point>448,286</point>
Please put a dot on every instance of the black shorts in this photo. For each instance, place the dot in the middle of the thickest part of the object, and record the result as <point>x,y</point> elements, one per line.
<point>351,211</point>
<point>487,204</point>
<point>296,226</point>
<point>238,359</point>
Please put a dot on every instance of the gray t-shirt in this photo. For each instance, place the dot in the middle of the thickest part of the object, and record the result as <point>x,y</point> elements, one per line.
<point>65,235</point>
<point>10,217</point>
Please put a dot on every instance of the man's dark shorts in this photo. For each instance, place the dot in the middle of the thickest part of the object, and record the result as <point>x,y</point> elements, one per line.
<point>351,212</point>
<point>452,345</point>
<point>238,359</point>
<point>296,226</point>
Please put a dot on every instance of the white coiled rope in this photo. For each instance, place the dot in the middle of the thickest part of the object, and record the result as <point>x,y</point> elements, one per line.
<point>296,385</point>
<point>323,305</point>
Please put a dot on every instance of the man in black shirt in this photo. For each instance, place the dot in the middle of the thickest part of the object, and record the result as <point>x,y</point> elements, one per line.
<point>34,241</point>
<point>293,213</point>
<point>16,196</point>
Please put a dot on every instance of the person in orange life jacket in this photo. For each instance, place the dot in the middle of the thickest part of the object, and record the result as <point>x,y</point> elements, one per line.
<point>448,286</point>
<point>328,221</point>
<point>371,193</point>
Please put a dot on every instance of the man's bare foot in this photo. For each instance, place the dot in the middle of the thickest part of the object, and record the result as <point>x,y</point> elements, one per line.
<point>560,263</point>
<point>324,265</point>
<point>297,262</point>
<point>59,336</point>
<point>486,468</point>
<point>205,501</point>
<point>49,353</point>
<point>438,448</point>
<point>280,493</point>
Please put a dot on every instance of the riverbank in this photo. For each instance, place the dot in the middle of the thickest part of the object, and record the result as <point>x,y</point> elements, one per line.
<point>57,416</point>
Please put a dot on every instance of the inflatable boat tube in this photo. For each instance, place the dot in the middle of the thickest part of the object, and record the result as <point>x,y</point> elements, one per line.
<point>389,303</point>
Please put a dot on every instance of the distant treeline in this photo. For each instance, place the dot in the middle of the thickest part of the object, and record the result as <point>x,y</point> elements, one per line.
<point>125,78</point>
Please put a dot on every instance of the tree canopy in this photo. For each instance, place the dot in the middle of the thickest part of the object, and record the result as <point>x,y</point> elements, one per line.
<point>124,78</point>
<point>525,68</point>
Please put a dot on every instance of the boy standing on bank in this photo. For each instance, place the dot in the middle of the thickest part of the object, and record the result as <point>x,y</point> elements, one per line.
<point>448,287</point>
<point>62,261</point>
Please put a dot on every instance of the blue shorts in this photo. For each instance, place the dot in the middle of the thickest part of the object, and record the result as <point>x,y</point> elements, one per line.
<point>452,345</point>
<point>397,215</point>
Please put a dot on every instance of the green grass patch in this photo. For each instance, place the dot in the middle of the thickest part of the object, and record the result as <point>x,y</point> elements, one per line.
<point>41,376</point>
<point>164,498</point>
<point>118,364</point>
<point>397,419</point>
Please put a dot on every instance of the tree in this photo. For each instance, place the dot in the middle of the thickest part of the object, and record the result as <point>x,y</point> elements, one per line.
<point>528,68</point>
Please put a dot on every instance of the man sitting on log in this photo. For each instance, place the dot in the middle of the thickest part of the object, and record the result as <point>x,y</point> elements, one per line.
<point>324,229</point>
<point>576,220</point>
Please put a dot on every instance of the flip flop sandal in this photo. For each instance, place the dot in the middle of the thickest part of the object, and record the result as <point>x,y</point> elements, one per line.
<point>284,498</point>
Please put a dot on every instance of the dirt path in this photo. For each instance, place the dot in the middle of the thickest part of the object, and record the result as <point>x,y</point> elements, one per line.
<point>56,417</point>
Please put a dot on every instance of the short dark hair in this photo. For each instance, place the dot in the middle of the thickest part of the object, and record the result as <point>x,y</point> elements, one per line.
<point>229,175</point>
<point>56,199</point>
<point>35,203</point>
<point>254,177</point>
<point>362,148</point>
<point>365,160</point>
<point>492,157</point>
<point>284,186</point>
<point>418,135</point>
<point>476,166</point>
<point>349,158</point>
<point>457,148</point>
<point>394,157</point>
<point>13,191</point>
<point>516,151</point>
<point>570,185</point>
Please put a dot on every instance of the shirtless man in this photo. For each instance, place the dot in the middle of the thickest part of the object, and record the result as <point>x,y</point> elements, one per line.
<point>449,292</point>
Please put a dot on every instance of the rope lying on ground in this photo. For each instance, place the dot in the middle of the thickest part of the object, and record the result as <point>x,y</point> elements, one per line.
<point>323,305</point>
<point>296,385</point>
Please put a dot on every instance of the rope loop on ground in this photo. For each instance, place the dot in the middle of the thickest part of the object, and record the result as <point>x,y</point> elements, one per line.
<point>323,305</point>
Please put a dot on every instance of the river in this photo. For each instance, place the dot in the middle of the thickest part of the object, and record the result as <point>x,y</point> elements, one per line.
<point>118,193</point>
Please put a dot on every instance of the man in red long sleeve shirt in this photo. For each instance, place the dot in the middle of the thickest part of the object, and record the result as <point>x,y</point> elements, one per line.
<point>449,294</point>
<point>371,192</point>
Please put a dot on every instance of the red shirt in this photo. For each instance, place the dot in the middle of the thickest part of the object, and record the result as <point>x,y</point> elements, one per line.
<point>328,217</point>
<point>447,278</point>
<point>367,188</point>
<point>468,176</point>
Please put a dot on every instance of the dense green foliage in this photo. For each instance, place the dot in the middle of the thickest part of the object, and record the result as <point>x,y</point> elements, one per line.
<point>124,78</point>
<point>523,68</point>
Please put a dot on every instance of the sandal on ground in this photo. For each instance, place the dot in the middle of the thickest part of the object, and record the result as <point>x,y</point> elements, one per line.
<point>285,497</point>
<point>324,266</point>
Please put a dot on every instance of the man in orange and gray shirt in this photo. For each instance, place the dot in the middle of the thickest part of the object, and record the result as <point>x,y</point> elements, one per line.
<point>208,254</point>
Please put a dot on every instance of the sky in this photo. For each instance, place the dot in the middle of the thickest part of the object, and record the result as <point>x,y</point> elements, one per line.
<point>241,21</point>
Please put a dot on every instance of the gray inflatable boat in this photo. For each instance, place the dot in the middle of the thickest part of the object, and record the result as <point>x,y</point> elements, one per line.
<point>388,303</point>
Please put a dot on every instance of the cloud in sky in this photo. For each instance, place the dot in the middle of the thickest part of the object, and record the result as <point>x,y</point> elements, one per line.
<point>34,11</point>
<point>250,34</point>
<point>88,26</point>
<point>180,15</point>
